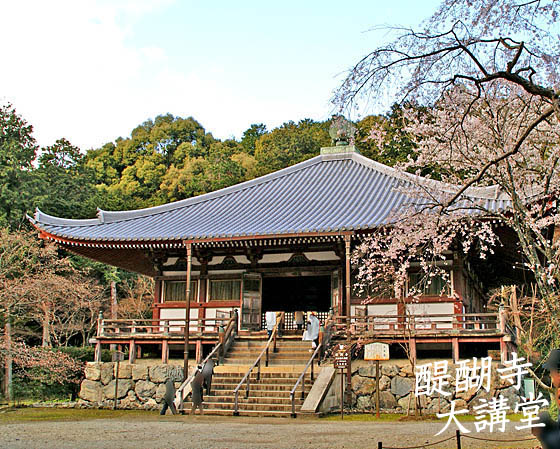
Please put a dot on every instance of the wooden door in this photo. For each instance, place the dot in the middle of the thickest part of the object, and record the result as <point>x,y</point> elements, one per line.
<point>252,302</point>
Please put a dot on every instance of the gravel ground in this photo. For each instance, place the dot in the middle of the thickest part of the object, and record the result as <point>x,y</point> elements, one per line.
<point>174,432</point>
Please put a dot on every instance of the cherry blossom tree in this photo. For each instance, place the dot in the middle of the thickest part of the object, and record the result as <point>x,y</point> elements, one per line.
<point>480,86</point>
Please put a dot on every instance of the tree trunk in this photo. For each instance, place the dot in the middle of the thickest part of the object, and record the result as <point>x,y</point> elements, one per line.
<point>46,333</point>
<point>8,365</point>
<point>114,303</point>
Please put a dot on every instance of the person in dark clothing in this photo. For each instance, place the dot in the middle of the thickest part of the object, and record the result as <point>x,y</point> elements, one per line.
<point>207,372</point>
<point>197,390</point>
<point>549,434</point>
<point>168,398</point>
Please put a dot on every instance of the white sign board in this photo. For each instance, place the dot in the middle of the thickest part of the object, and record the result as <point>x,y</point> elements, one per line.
<point>376,351</point>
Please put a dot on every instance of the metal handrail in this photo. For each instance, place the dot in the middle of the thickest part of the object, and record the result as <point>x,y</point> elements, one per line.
<point>301,378</point>
<point>247,376</point>
<point>183,391</point>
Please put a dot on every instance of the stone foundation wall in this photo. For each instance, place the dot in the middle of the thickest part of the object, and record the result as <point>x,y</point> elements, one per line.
<point>397,384</point>
<point>139,386</point>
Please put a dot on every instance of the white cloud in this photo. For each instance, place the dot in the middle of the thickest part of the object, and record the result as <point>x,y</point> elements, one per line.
<point>73,69</point>
<point>69,70</point>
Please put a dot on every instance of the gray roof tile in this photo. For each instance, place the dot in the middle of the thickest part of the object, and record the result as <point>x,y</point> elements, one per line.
<point>327,193</point>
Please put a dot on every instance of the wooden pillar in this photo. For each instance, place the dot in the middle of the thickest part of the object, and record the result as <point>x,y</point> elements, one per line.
<point>114,314</point>
<point>503,350</point>
<point>97,352</point>
<point>138,351</point>
<point>187,311</point>
<point>164,352</point>
<point>157,300</point>
<point>347,313</point>
<point>348,278</point>
<point>198,351</point>
<point>455,349</point>
<point>132,351</point>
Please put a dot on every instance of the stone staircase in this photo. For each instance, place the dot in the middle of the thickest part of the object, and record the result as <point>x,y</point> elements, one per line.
<point>269,396</point>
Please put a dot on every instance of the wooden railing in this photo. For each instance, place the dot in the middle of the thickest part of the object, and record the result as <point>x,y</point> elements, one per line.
<point>301,380</point>
<point>226,339</point>
<point>465,323</point>
<point>257,364</point>
<point>157,327</point>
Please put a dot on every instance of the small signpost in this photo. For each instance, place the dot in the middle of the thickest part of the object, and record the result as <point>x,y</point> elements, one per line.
<point>340,356</point>
<point>376,352</point>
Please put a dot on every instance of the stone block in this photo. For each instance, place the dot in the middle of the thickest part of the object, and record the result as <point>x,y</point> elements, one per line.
<point>130,401</point>
<point>91,391</point>
<point>160,392</point>
<point>390,370</point>
<point>122,389</point>
<point>406,371</point>
<point>93,371</point>
<point>106,372</point>
<point>176,373</point>
<point>139,372</point>
<point>401,386</point>
<point>159,373</point>
<point>150,404</point>
<point>466,395</point>
<point>384,383</point>
<point>363,385</point>
<point>125,370</point>
<point>145,389</point>
<point>387,401</point>
<point>364,403</point>
<point>404,401</point>
<point>367,371</point>
<point>511,394</point>
<point>441,405</point>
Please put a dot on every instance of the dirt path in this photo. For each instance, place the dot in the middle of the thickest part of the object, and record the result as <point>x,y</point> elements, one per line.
<point>174,432</point>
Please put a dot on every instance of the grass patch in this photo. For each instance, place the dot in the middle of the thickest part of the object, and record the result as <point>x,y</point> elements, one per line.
<point>11,415</point>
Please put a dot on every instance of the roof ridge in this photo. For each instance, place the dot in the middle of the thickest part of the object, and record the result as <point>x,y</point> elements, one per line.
<point>486,192</point>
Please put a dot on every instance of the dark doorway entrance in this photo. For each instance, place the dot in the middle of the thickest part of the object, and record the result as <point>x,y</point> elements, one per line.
<point>303,293</point>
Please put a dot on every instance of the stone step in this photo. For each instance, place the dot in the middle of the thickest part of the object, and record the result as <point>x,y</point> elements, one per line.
<point>279,344</point>
<point>271,362</point>
<point>264,375</point>
<point>263,407</point>
<point>254,393</point>
<point>255,387</point>
<point>279,350</point>
<point>242,369</point>
<point>254,413</point>
<point>252,400</point>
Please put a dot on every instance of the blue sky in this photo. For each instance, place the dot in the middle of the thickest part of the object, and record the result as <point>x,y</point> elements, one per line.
<point>92,70</point>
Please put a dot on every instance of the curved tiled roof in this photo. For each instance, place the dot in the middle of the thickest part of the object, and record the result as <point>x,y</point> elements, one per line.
<point>328,193</point>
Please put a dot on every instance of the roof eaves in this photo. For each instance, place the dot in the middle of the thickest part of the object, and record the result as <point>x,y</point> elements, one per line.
<point>46,219</point>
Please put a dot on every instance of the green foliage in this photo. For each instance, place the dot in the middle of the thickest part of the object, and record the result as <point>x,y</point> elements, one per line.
<point>397,144</point>
<point>63,184</point>
<point>290,143</point>
<point>17,152</point>
<point>250,137</point>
